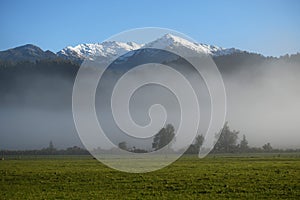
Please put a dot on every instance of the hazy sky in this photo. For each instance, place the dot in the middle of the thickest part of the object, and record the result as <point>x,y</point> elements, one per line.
<point>267,27</point>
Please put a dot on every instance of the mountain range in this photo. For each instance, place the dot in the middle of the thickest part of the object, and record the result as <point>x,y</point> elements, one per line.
<point>109,49</point>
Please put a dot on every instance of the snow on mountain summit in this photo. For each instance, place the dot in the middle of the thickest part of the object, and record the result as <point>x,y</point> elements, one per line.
<point>111,49</point>
<point>170,40</point>
<point>105,49</point>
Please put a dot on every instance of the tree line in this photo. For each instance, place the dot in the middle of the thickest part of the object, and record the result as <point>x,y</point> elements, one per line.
<point>50,150</point>
<point>227,143</point>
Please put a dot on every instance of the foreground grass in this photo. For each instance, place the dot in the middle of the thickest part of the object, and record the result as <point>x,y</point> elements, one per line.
<point>81,177</point>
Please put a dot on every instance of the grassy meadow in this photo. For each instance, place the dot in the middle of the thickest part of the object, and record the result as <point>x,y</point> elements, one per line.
<point>257,176</point>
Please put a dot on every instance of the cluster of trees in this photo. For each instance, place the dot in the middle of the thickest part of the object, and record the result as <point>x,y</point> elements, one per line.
<point>228,142</point>
<point>123,145</point>
<point>195,147</point>
<point>161,139</point>
<point>50,150</point>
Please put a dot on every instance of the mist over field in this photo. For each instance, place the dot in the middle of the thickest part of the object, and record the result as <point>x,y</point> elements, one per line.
<point>263,102</point>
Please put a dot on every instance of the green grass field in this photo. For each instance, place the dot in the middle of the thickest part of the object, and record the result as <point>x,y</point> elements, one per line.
<point>215,177</point>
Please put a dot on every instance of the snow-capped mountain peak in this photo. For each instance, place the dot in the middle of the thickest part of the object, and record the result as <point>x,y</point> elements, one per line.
<point>170,40</point>
<point>105,49</point>
<point>111,49</point>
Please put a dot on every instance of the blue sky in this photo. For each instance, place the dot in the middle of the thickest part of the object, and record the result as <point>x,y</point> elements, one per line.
<point>267,27</point>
